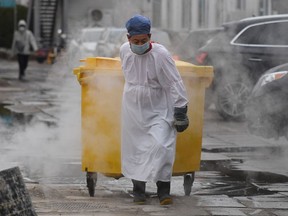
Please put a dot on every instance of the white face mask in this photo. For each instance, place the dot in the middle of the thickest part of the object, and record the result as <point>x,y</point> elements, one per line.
<point>22,28</point>
<point>140,49</point>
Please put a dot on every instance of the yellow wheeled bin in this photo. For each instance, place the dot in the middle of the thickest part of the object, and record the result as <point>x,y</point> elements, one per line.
<point>102,85</point>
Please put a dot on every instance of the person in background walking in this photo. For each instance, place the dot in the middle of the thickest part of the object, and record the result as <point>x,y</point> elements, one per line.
<point>154,107</point>
<point>23,42</point>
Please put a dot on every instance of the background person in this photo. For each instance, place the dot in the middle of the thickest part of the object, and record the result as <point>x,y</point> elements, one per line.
<point>154,106</point>
<point>23,41</point>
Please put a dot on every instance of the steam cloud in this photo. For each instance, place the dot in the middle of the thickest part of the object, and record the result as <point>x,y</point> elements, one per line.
<point>38,147</point>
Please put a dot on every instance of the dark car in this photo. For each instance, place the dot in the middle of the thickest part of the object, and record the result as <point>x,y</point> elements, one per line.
<point>240,54</point>
<point>267,106</point>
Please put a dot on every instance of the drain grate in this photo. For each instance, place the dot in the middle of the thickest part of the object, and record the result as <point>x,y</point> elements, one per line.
<point>61,180</point>
<point>73,206</point>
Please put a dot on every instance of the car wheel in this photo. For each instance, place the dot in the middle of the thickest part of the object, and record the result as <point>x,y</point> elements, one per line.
<point>231,100</point>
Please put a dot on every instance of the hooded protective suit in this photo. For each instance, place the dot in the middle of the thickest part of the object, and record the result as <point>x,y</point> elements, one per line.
<point>153,87</point>
<point>23,40</point>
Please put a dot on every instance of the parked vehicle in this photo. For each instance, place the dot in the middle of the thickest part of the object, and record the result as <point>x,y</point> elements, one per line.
<point>161,37</point>
<point>240,54</point>
<point>109,45</point>
<point>86,43</point>
<point>107,42</point>
<point>187,49</point>
<point>176,37</point>
<point>267,106</point>
<point>82,45</point>
<point>169,39</point>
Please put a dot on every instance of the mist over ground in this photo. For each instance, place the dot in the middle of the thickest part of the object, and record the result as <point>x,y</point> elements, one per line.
<point>38,146</point>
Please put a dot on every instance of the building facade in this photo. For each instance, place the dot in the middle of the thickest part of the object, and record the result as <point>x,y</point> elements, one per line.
<point>197,14</point>
<point>177,15</point>
<point>170,14</point>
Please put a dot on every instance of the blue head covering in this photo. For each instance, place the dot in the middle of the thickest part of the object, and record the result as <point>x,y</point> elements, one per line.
<point>138,25</point>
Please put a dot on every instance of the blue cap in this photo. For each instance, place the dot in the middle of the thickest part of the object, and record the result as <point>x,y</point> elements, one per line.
<point>138,25</point>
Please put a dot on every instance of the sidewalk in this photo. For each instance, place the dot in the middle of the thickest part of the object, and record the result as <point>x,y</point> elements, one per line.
<point>227,149</point>
<point>253,156</point>
<point>112,198</point>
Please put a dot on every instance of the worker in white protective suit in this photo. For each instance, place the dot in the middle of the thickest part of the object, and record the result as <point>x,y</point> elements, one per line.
<point>154,108</point>
<point>23,41</point>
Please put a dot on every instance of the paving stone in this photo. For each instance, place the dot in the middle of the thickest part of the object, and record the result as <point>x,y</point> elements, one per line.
<point>10,89</point>
<point>283,187</point>
<point>191,212</point>
<point>280,213</point>
<point>219,201</point>
<point>226,212</point>
<point>272,205</point>
<point>264,198</point>
<point>275,204</point>
<point>259,212</point>
<point>284,193</point>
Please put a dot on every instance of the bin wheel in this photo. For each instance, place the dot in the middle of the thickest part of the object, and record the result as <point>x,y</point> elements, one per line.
<point>188,182</point>
<point>91,179</point>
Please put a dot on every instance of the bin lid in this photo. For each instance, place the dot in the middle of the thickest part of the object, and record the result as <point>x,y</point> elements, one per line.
<point>195,70</point>
<point>94,65</point>
<point>111,66</point>
<point>102,63</point>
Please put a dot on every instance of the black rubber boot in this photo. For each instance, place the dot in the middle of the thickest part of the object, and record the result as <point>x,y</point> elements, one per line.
<point>163,192</point>
<point>139,191</point>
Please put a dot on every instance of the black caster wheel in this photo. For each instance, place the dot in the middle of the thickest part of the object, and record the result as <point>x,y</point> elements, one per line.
<point>91,179</point>
<point>188,182</point>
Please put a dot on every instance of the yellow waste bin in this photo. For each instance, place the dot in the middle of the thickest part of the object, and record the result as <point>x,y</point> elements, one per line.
<point>102,85</point>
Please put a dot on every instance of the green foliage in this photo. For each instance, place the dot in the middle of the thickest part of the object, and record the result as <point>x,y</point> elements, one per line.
<point>7,24</point>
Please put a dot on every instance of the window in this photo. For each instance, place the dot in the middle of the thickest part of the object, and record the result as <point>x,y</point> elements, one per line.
<point>156,7</point>
<point>241,4</point>
<point>186,15</point>
<point>263,7</point>
<point>268,34</point>
<point>251,35</point>
<point>202,13</point>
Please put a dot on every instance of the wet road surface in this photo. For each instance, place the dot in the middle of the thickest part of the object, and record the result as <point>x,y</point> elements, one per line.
<point>240,174</point>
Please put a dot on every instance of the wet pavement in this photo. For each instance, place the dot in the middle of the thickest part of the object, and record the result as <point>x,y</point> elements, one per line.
<point>241,174</point>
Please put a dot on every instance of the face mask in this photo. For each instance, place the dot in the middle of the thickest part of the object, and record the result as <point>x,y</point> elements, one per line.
<point>140,49</point>
<point>21,28</point>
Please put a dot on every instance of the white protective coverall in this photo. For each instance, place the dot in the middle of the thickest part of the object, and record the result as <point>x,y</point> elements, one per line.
<point>153,87</point>
<point>27,39</point>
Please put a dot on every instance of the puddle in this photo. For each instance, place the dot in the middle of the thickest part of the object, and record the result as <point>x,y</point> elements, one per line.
<point>24,113</point>
<point>10,118</point>
<point>237,182</point>
<point>237,189</point>
<point>232,187</point>
<point>5,115</point>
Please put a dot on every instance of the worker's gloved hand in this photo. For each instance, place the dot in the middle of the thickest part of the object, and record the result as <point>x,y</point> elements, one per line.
<point>181,119</point>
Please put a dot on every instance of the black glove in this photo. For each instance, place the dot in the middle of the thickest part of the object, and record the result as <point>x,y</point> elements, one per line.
<point>181,119</point>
